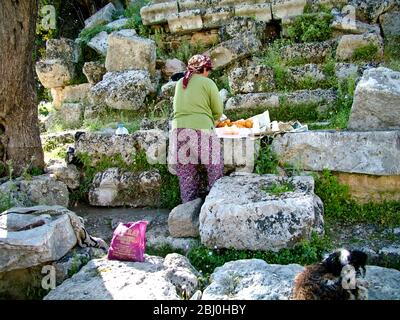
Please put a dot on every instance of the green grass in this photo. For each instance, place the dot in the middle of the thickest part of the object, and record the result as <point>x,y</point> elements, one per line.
<point>306,252</point>
<point>340,114</point>
<point>283,79</point>
<point>6,201</point>
<point>311,27</point>
<point>162,251</point>
<point>279,188</point>
<point>368,52</point>
<point>392,53</point>
<point>340,206</point>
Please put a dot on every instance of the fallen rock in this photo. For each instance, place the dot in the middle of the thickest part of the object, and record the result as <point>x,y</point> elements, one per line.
<point>258,78</point>
<point>122,90</point>
<point>68,174</point>
<point>171,67</point>
<point>118,24</point>
<point>369,152</point>
<point>94,71</point>
<point>384,283</point>
<point>28,240</point>
<point>71,114</point>
<point>99,43</point>
<point>114,188</point>
<point>252,279</point>
<point>183,220</point>
<point>154,279</point>
<point>242,212</point>
<point>54,73</point>
<point>255,279</point>
<point>102,16</point>
<point>72,94</point>
<point>390,23</point>
<point>233,50</point>
<point>127,51</point>
<point>63,49</point>
<point>371,10</point>
<point>348,44</point>
<point>376,104</point>
<point>40,190</point>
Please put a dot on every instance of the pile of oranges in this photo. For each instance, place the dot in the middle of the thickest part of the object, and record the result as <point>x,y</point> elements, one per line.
<point>239,123</point>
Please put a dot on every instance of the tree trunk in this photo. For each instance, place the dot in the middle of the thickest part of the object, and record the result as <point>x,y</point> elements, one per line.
<point>19,128</point>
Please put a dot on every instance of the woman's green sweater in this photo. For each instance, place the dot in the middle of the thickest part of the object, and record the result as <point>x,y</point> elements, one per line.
<point>198,106</point>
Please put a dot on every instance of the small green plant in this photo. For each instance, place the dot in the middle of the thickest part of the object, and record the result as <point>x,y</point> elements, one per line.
<point>267,161</point>
<point>365,53</point>
<point>187,49</point>
<point>162,251</point>
<point>10,169</point>
<point>341,112</point>
<point>313,27</point>
<point>6,201</point>
<point>279,188</point>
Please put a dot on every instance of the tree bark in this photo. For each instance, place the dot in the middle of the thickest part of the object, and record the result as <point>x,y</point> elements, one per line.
<point>19,127</point>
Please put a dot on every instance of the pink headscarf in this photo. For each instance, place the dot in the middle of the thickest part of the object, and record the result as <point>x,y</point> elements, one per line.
<point>196,65</point>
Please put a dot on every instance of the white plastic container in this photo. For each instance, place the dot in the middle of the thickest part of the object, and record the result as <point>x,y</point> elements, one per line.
<point>121,130</point>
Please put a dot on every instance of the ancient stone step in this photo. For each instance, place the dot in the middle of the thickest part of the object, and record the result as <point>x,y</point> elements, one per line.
<point>98,145</point>
<point>376,104</point>
<point>261,78</point>
<point>154,279</point>
<point>115,188</point>
<point>276,99</point>
<point>348,44</point>
<point>243,211</point>
<point>313,52</point>
<point>369,152</point>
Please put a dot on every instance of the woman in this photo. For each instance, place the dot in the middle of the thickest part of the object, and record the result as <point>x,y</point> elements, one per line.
<point>197,106</point>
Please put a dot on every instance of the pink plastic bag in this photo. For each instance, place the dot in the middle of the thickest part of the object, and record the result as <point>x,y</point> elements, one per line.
<point>128,242</point>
